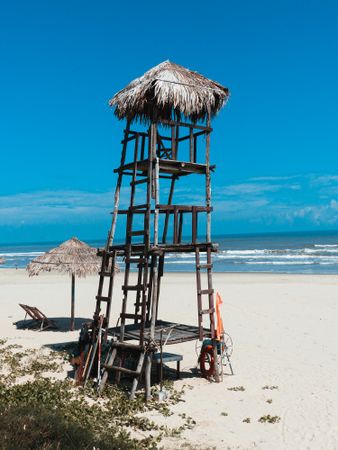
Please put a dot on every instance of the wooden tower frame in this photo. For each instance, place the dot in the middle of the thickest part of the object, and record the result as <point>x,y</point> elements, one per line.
<point>148,157</point>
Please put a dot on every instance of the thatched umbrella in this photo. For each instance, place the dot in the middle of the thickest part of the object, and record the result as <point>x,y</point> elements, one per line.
<point>169,91</point>
<point>73,257</point>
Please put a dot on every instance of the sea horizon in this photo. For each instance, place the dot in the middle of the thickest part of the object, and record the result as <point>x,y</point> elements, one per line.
<point>312,252</point>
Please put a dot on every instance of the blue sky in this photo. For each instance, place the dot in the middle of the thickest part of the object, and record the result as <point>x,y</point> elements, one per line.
<point>275,143</point>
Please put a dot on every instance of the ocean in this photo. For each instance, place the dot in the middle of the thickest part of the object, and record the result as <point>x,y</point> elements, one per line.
<point>306,252</point>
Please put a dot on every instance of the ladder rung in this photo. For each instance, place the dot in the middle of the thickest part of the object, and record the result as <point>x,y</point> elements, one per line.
<point>130,316</point>
<point>137,287</point>
<point>144,180</point>
<point>207,311</point>
<point>206,291</point>
<point>135,260</point>
<point>204,266</point>
<point>135,207</point>
<point>102,299</point>
<point>138,233</point>
<point>122,369</point>
<point>106,274</point>
<point>126,346</point>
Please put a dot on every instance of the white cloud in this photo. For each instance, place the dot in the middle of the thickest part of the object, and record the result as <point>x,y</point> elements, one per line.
<point>274,178</point>
<point>326,179</point>
<point>253,188</point>
<point>54,206</point>
<point>263,201</point>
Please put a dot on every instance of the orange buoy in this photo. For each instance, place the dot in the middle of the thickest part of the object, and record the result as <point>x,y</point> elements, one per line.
<point>207,361</point>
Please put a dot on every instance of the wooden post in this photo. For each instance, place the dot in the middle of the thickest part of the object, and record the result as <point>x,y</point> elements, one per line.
<point>208,185</point>
<point>167,216</point>
<point>110,292</point>
<point>156,182</point>
<point>118,188</point>
<point>173,142</point>
<point>154,307</point>
<point>147,376</point>
<point>191,144</point>
<point>72,308</point>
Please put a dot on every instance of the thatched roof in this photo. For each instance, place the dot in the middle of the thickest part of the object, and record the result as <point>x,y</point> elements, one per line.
<point>73,257</point>
<point>169,91</point>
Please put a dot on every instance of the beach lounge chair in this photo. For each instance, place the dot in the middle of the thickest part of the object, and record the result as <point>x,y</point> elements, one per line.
<point>38,317</point>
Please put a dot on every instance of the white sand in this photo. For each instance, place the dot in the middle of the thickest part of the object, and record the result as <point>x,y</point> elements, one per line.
<point>285,333</point>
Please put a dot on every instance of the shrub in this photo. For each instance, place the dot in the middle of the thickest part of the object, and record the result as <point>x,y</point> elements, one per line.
<point>32,427</point>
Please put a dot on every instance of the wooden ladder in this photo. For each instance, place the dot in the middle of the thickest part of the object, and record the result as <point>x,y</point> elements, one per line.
<point>143,261</point>
<point>201,292</point>
<point>117,351</point>
<point>107,271</point>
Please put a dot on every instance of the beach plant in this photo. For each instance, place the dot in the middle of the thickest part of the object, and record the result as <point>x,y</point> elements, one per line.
<point>270,387</point>
<point>16,363</point>
<point>269,419</point>
<point>269,400</point>
<point>224,414</point>
<point>237,388</point>
<point>247,420</point>
<point>37,427</point>
<point>107,418</point>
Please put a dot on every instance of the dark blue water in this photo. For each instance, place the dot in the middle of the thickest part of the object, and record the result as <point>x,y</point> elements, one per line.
<point>308,252</point>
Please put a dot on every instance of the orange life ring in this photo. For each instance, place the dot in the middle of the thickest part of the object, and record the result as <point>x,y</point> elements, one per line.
<point>207,357</point>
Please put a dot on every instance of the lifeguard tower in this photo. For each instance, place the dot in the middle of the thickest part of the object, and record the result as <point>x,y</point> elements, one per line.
<point>168,114</point>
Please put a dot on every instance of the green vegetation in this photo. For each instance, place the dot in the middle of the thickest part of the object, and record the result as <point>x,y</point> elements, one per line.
<point>247,420</point>
<point>269,419</point>
<point>237,388</point>
<point>45,413</point>
<point>270,387</point>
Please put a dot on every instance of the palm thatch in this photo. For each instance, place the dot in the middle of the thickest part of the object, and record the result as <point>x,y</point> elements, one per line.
<point>73,257</point>
<point>169,91</point>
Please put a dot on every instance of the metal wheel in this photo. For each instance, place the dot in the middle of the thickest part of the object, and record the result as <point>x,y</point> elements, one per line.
<point>228,344</point>
<point>198,347</point>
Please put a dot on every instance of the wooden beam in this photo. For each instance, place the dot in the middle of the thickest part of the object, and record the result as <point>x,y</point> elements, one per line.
<point>188,125</point>
<point>191,145</point>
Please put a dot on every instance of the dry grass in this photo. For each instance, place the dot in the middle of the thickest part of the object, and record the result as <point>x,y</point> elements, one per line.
<point>169,91</point>
<point>73,257</point>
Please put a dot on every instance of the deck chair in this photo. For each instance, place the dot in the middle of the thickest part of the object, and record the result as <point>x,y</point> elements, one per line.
<point>38,317</point>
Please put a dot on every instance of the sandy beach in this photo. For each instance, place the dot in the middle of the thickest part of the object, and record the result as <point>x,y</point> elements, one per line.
<point>285,339</point>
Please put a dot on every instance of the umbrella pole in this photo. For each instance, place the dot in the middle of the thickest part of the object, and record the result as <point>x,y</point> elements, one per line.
<point>72,309</point>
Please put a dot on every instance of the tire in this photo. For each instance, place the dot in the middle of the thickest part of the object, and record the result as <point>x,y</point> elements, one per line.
<point>207,361</point>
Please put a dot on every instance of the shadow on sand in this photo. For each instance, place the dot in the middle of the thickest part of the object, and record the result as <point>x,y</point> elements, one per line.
<point>62,324</point>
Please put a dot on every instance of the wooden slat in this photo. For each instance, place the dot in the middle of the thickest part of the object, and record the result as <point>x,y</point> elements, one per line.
<point>121,369</point>
<point>106,274</point>
<point>131,316</point>
<point>205,266</point>
<point>137,182</point>
<point>206,291</point>
<point>102,298</point>
<point>188,125</point>
<point>132,288</point>
<point>179,168</point>
<point>207,311</point>
<point>126,346</point>
<point>165,248</point>
<point>135,260</point>
<point>138,233</point>
<point>135,207</point>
